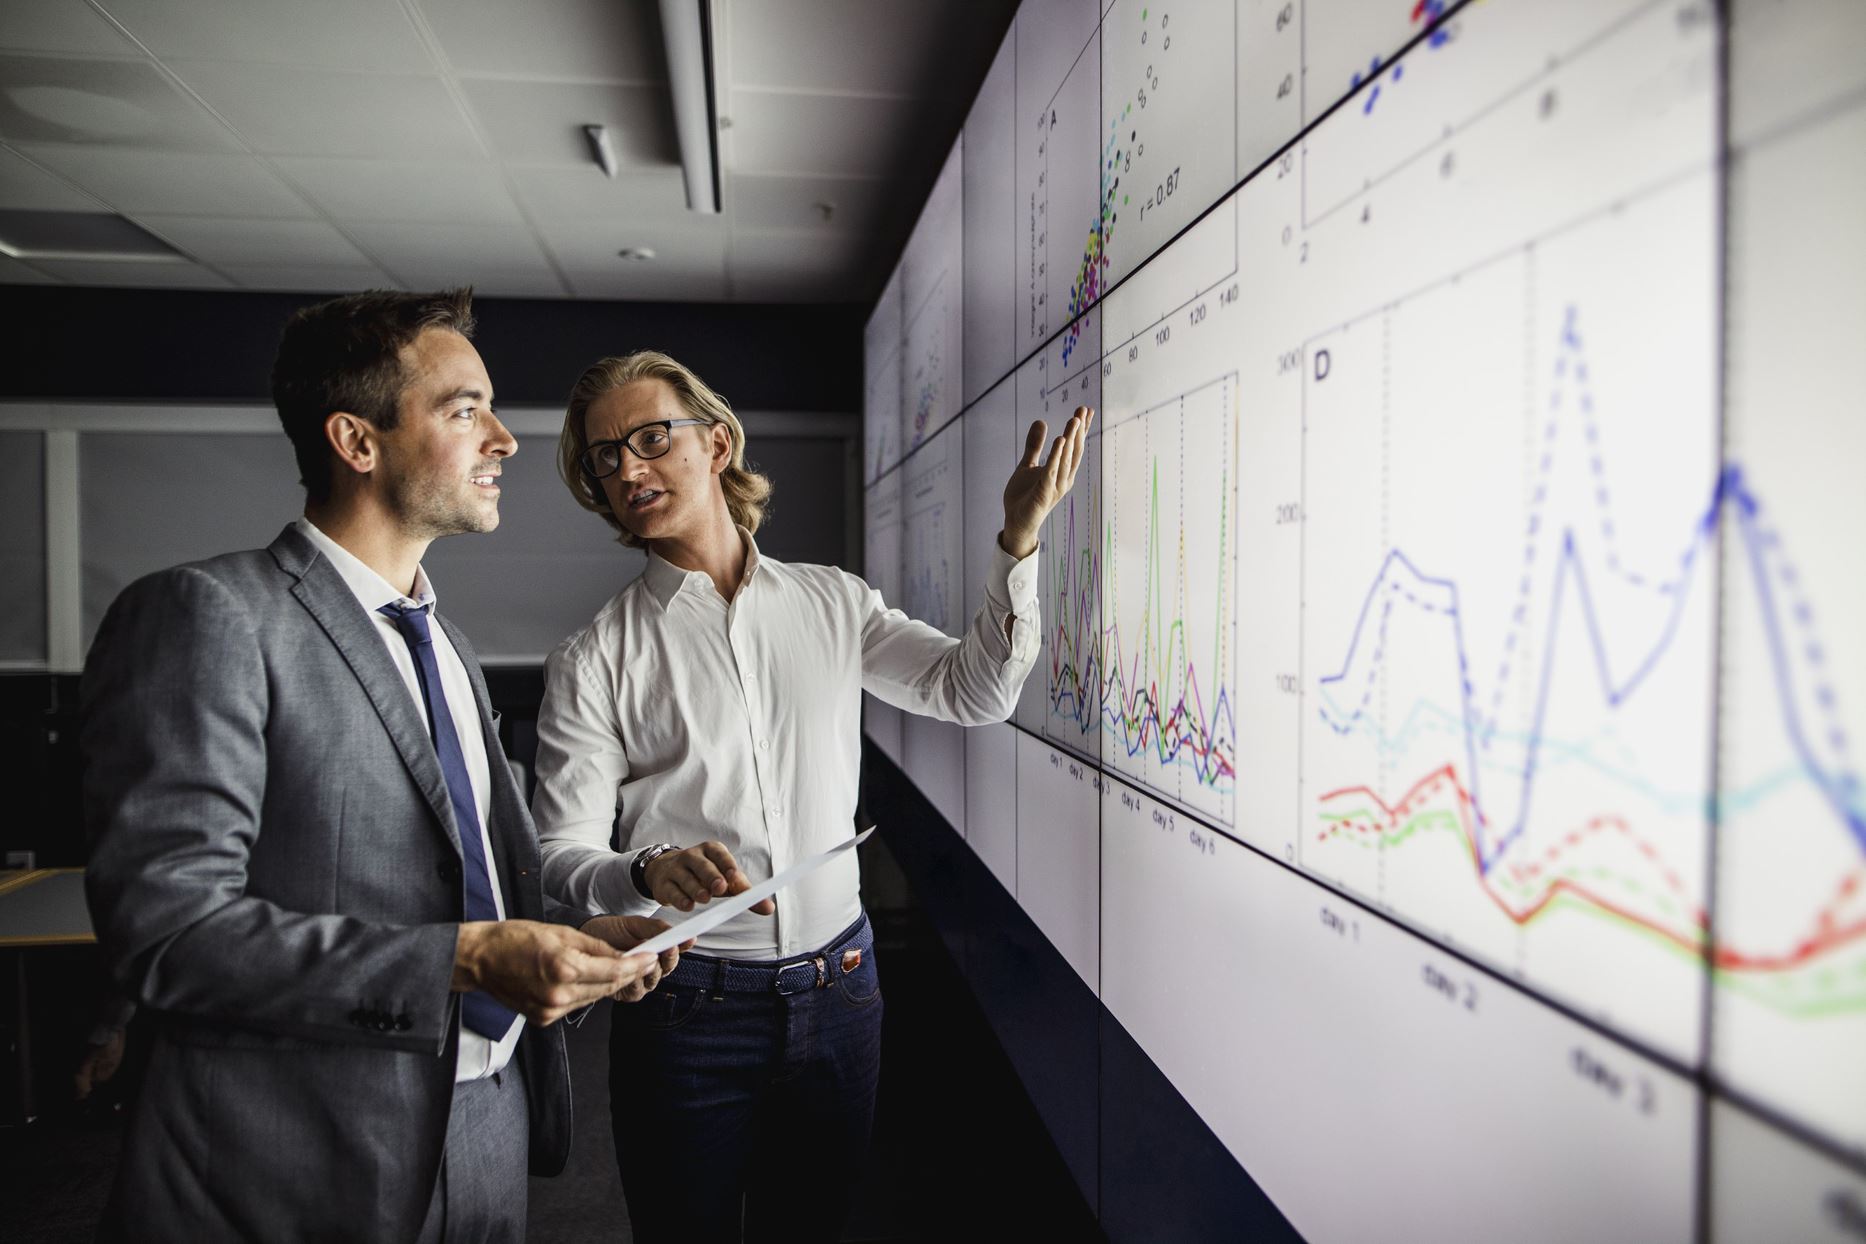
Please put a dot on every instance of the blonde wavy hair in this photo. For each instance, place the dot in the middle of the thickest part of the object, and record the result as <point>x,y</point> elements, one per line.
<point>747,492</point>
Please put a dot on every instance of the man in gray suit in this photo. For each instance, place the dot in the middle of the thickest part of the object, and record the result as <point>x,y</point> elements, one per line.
<point>310,860</point>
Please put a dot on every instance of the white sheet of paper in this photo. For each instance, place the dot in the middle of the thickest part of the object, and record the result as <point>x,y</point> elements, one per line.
<point>716,912</point>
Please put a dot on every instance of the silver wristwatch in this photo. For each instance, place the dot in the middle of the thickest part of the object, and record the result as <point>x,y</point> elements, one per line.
<point>638,871</point>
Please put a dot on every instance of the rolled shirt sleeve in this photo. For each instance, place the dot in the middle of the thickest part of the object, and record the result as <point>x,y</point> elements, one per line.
<point>581,766</point>
<point>974,680</point>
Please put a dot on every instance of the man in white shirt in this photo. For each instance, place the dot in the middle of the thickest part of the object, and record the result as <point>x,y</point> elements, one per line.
<point>708,724</point>
<point>310,860</point>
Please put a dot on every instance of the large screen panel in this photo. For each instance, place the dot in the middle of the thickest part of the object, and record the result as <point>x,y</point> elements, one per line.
<point>1461,571</point>
<point>1057,217</point>
<point>1409,1065</point>
<point>1169,455</point>
<point>1062,699</point>
<point>1059,851</point>
<point>932,311</point>
<point>991,449</point>
<point>1297,59</point>
<point>884,563</point>
<point>988,187</point>
<point>1790,910</point>
<point>881,383</point>
<point>1167,153</point>
<point>933,563</point>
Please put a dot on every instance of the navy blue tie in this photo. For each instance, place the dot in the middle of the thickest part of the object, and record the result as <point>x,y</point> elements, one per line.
<point>478,1009</point>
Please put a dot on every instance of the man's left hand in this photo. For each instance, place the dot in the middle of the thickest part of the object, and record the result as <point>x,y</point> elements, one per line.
<point>1038,483</point>
<point>626,932</point>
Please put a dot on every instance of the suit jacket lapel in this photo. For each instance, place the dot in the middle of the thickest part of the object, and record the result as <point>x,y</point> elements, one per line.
<point>324,594</point>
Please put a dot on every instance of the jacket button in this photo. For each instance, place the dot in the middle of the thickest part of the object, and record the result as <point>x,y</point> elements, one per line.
<point>360,1017</point>
<point>403,1023</point>
<point>449,870</point>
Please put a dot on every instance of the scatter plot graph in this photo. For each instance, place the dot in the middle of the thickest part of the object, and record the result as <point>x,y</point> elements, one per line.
<point>1167,150</point>
<point>1534,64</point>
<point>1058,243</point>
<point>1426,16</point>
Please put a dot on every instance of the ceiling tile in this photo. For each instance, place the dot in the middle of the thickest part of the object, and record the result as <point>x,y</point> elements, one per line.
<point>452,247</point>
<point>498,260</point>
<point>687,283</point>
<point>456,192</point>
<point>540,123</point>
<point>799,249</point>
<point>583,39</point>
<point>13,272</point>
<point>354,34</point>
<point>49,100</point>
<point>132,275</point>
<point>61,26</point>
<point>763,201</point>
<point>293,110</point>
<point>488,281</point>
<point>24,186</point>
<point>218,240</point>
<point>567,193</point>
<point>842,45</point>
<point>302,279</point>
<point>825,135</point>
<point>174,182</point>
<point>689,263</point>
<point>798,266</point>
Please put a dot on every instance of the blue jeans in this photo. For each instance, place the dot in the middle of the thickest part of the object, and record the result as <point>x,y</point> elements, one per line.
<point>742,1098</point>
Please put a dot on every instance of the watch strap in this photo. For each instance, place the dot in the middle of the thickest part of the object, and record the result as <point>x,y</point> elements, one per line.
<point>638,869</point>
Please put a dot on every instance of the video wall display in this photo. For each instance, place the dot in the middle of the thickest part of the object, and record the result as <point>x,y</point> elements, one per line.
<point>1446,741</point>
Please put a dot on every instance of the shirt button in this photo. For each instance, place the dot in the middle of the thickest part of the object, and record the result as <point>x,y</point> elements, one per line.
<point>777,813</point>
<point>1017,585</point>
<point>764,745</point>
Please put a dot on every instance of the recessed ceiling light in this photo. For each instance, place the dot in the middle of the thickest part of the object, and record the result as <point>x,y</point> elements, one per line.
<point>640,254</point>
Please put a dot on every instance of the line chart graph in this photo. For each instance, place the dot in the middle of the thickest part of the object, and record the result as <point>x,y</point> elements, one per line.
<point>1168,635</point>
<point>1509,736</point>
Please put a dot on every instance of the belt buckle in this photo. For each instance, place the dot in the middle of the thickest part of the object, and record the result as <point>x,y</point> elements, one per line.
<point>790,980</point>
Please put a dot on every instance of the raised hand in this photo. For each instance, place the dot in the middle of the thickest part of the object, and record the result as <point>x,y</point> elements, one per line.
<point>1039,483</point>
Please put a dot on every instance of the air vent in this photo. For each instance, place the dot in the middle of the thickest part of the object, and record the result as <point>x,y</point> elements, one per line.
<point>80,235</point>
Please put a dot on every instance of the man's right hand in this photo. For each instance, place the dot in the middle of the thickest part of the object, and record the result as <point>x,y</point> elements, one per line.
<point>679,879</point>
<point>542,971</point>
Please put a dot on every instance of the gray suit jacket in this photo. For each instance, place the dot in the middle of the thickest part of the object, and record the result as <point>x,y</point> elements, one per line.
<point>275,872</point>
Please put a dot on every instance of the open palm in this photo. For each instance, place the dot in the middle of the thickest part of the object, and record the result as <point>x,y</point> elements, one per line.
<point>1039,483</point>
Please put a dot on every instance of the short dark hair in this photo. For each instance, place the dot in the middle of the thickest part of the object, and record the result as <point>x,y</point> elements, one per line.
<point>345,354</point>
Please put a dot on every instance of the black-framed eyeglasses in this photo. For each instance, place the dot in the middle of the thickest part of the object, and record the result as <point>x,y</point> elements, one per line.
<point>604,458</point>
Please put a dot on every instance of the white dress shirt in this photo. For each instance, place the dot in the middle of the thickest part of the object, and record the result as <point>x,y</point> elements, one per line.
<point>677,716</point>
<point>479,1056</point>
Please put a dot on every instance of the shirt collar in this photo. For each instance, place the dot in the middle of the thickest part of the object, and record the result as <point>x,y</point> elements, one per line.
<point>666,580</point>
<point>371,590</point>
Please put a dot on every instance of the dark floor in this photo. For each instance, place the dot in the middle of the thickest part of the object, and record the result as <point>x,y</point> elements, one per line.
<point>958,1151</point>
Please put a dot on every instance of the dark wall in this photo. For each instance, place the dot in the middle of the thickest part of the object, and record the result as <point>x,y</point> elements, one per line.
<point>170,345</point>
